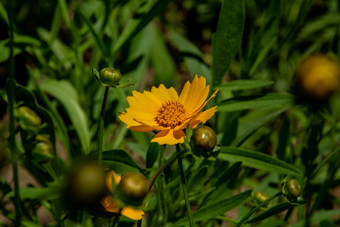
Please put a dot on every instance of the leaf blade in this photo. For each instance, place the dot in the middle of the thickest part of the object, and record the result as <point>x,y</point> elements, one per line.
<point>258,160</point>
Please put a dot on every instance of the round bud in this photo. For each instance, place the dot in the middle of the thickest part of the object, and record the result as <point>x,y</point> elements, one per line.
<point>318,76</point>
<point>132,188</point>
<point>110,76</point>
<point>205,138</point>
<point>28,118</point>
<point>87,184</point>
<point>43,148</point>
<point>291,189</point>
<point>260,197</point>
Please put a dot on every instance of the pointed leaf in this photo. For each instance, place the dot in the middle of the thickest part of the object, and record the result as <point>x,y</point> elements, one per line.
<point>227,39</point>
<point>258,160</point>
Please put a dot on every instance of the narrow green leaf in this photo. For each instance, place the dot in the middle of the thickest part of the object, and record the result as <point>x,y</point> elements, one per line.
<point>270,212</point>
<point>119,161</point>
<point>244,85</point>
<point>252,124</point>
<point>136,25</point>
<point>258,160</point>
<point>66,94</point>
<point>245,103</point>
<point>63,8</point>
<point>227,39</point>
<point>193,57</point>
<point>37,193</point>
<point>152,154</point>
<point>217,208</point>
<point>161,59</point>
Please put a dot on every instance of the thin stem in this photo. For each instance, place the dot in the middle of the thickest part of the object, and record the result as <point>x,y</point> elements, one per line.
<point>101,126</point>
<point>184,186</point>
<point>162,167</point>
<point>255,208</point>
<point>116,219</point>
<point>11,84</point>
<point>160,191</point>
<point>289,212</point>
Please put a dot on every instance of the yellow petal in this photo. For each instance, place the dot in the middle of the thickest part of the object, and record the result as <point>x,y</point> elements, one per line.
<point>173,94</point>
<point>169,137</point>
<point>138,121</point>
<point>161,92</point>
<point>109,204</point>
<point>109,176</point>
<point>147,98</point>
<point>142,104</point>
<point>195,94</point>
<point>202,117</point>
<point>204,104</point>
<point>132,213</point>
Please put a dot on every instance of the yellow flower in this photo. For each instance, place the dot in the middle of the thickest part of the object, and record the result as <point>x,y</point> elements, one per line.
<point>163,110</point>
<point>110,205</point>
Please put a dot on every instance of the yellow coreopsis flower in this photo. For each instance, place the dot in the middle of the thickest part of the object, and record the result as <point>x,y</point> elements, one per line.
<point>163,110</point>
<point>110,205</point>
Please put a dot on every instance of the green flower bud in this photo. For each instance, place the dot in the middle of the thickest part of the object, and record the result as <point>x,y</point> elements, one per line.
<point>132,188</point>
<point>43,150</point>
<point>205,138</point>
<point>260,197</point>
<point>291,189</point>
<point>86,184</point>
<point>109,77</point>
<point>28,119</point>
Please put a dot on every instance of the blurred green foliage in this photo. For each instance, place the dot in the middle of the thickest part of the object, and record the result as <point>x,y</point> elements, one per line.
<point>247,49</point>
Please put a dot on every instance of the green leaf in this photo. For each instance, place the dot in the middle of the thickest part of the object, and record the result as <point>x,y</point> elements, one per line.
<point>119,161</point>
<point>227,39</point>
<point>245,103</point>
<point>244,85</point>
<point>192,56</point>
<point>136,25</point>
<point>270,212</point>
<point>37,193</point>
<point>217,208</point>
<point>249,125</point>
<point>152,154</point>
<point>161,59</point>
<point>67,96</point>
<point>258,160</point>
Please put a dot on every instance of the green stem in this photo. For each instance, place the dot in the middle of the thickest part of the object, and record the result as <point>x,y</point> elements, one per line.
<point>11,84</point>
<point>184,186</point>
<point>289,212</point>
<point>255,208</point>
<point>116,219</point>
<point>101,126</point>
<point>160,189</point>
<point>162,167</point>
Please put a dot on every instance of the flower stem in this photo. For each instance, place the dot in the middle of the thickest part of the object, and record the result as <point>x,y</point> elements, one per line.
<point>10,90</point>
<point>255,208</point>
<point>184,186</point>
<point>101,126</point>
<point>162,167</point>
<point>163,208</point>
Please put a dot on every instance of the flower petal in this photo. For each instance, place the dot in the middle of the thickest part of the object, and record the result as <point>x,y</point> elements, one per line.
<point>109,204</point>
<point>169,137</point>
<point>164,94</point>
<point>138,121</point>
<point>202,117</point>
<point>195,94</point>
<point>145,100</point>
<point>132,213</point>
<point>204,104</point>
<point>109,176</point>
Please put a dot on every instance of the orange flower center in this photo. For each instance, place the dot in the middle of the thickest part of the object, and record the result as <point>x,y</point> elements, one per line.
<point>170,114</point>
